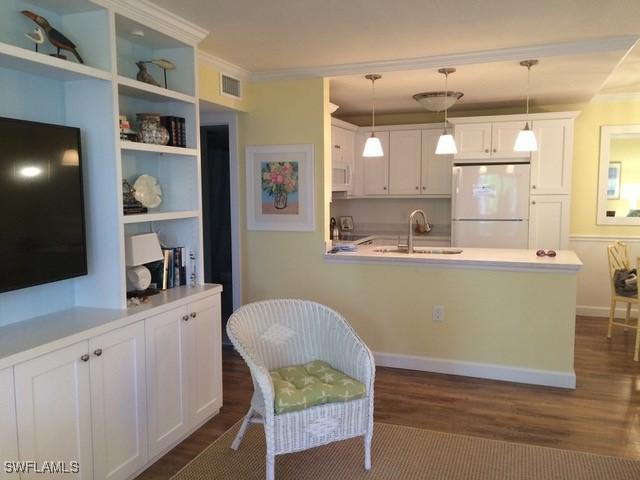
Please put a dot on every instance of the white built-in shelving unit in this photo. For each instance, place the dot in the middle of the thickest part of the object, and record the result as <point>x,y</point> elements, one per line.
<point>38,87</point>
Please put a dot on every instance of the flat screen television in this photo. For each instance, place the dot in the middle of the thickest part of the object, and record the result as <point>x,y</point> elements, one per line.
<point>42,228</point>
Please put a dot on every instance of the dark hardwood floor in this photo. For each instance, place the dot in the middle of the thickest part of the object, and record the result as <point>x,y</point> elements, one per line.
<point>602,415</point>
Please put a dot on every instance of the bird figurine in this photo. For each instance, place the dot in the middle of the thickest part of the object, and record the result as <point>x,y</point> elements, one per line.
<point>37,37</point>
<point>144,76</point>
<point>164,65</point>
<point>56,38</point>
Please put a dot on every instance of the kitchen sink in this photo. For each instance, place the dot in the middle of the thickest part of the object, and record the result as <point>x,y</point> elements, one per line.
<point>419,250</point>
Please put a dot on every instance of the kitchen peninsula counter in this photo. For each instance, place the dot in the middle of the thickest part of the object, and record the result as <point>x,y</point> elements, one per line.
<point>476,258</point>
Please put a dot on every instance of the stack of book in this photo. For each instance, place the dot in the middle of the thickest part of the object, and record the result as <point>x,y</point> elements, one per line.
<point>172,270</point>
<point>177,130</point>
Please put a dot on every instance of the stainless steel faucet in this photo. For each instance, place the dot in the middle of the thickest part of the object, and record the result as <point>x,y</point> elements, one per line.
<point>410,238</point>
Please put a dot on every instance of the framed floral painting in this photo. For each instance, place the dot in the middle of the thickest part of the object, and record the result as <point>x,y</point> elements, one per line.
<point>280,187</point>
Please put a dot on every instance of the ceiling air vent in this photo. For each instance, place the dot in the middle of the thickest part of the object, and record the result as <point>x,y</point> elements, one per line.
<point>230,86</point>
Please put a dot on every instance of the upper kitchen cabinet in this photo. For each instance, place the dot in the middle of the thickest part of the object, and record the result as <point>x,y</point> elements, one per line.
<point>473,140</point>
<point>503,138</point>
<point>342,158</point>
<point>495,140</point>
<point>435,177</point>
<point>551,164</point>
<point>375,170</point>
<point>404,162</point>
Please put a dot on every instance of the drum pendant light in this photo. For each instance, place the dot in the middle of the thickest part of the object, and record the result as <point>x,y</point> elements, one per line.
<point>373,146</point>
<point>526,139</point>
<point>446,142</point>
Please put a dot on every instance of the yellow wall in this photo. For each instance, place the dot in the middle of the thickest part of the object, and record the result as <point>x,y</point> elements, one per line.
<point>506,318</point>
<point>209,89</point>
<point>586,163</point>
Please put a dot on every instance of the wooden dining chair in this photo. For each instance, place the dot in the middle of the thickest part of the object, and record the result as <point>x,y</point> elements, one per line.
<point>618,256</point>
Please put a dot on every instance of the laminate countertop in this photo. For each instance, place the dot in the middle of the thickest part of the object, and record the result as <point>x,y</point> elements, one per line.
<point>478,258</point>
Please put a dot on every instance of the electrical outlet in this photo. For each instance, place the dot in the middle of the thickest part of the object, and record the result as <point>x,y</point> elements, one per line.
<point>437,315</point>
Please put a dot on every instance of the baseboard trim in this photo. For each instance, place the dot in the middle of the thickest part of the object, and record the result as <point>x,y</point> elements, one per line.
<point>480,370</point>
<point>593,311</point>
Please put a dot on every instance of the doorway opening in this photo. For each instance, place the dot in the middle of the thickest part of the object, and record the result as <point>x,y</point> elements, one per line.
<point>216,211</point>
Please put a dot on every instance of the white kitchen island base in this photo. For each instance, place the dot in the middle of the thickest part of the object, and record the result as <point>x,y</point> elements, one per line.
<point>508,314</point>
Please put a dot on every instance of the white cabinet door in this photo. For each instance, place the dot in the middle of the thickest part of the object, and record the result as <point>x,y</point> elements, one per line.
<point>8,434</point>
<point>549,222</point>
<point>375,170</point>
<point>166,379</point>
<point>551,164</point>
<point>336,144</point>
<point>53,408</point>
<point>473,140</point>
<point>118,402</point>
<point>204,345</point>
<point>503,139</point>
<point>436,169</point>
<point>405,151</point>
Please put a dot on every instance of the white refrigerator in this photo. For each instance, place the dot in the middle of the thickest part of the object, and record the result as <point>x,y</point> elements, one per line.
<point>490,206</point>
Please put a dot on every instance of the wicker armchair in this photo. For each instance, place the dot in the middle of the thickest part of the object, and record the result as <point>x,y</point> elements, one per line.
<point>281,333</point>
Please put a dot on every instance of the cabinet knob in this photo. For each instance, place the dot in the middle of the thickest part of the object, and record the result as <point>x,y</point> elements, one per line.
<point>533,203</point>
<point>185,317</point>
<point>533,186</point>
<point>85,357</point>
<point>424,188</point>
<point>384,188</point>
<point>494,150</point>
<point>193,314</point>
<point>97,352</point>
<point>486,150</point>
<point>417,188</point>
<point>336,146</point>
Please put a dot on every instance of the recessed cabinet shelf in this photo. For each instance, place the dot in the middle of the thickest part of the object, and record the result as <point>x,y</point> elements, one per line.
<point>31,62</point>
<point>160,216</point>
<point>162,149</point>
<point>145,91</point>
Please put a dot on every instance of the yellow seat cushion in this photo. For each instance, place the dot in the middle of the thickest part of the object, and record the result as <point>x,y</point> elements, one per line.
<point>315,383</point>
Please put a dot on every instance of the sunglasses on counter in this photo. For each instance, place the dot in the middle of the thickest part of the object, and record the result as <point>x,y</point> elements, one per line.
<point>546,253</point>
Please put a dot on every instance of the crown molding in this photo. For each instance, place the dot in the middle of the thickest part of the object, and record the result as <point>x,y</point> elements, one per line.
<point>223,66</point>
<point>616,97</point>
<point>157,18</point>
<point>452,60</point>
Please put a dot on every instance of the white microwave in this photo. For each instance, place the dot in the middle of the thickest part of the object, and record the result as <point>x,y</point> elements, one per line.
<point>340,177</point>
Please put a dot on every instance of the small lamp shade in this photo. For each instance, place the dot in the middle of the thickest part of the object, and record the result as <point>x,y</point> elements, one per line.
<point>141,249</point>
<point>446,145</point>
<point>526,141</point>
<point>373,147</point>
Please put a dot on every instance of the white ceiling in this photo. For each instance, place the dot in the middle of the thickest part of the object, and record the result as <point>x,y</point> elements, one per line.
<point>556,80</point>
<point>271,37</point>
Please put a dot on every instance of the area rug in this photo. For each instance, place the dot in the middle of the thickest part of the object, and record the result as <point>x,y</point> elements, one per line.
<point>405,453</point>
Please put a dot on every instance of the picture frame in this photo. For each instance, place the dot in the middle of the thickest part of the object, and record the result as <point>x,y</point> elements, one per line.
<point>614,175</point>
<point>280,187</point>
<point>346,224</point>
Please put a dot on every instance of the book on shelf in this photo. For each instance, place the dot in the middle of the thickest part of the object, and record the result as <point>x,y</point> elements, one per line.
<point>176,126</point>
<point>174,271</point>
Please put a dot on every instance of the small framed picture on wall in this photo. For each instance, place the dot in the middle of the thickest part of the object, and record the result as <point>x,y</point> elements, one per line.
<point>280,187</point>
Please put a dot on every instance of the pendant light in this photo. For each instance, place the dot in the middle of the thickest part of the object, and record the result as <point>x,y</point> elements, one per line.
<point>526,139</point>
<point>446,142</point>
<point>373,146</point>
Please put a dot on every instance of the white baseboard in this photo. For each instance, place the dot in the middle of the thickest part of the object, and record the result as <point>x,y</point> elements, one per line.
<point>594,311</point>
<point>480,370</point>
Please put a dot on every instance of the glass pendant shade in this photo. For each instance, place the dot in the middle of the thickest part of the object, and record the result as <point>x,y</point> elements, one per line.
<point>373,147</point>
<point>526,141</point>
<point>446,145</point>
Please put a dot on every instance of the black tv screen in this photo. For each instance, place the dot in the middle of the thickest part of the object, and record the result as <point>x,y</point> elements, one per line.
<point>42,232</point>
